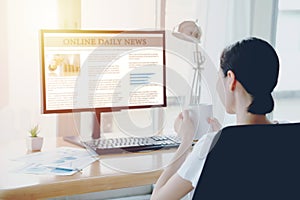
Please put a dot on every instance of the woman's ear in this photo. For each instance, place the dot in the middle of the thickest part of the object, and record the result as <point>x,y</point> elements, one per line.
<point>231,80</point>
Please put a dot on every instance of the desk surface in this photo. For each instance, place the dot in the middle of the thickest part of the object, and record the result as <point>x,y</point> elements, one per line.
<point>110,172</point>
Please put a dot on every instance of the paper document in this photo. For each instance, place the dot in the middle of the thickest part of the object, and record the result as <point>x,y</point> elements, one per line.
<point>61,161</point>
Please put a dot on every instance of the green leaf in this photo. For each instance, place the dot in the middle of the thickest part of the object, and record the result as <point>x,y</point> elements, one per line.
<point>34,131</point>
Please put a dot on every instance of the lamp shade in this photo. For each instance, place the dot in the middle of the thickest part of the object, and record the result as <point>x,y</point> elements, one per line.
<point>189,31</point>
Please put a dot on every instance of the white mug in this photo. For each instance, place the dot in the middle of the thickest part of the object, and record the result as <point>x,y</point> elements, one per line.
<point>199,115</point>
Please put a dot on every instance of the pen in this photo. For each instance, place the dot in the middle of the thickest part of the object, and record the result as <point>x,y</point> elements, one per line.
<point>65,169</point>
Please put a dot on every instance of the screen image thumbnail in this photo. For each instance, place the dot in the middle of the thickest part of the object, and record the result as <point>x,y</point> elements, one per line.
<point>63,64</point>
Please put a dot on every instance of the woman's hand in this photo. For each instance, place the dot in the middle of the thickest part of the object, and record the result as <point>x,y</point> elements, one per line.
<point>170,184</point>
<point>184,126</point>
<point>214,124</point>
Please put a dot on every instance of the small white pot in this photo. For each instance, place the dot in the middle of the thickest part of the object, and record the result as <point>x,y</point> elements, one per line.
<point>34,143</point>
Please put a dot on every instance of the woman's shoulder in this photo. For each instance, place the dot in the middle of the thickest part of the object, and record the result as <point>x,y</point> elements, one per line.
<point>281,122</point>
<point>203,145</point>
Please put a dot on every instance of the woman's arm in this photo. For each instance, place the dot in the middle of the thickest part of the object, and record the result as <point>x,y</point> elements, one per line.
<point>170,185</point>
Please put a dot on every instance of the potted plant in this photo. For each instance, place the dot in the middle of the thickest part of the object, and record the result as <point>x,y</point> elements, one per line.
<point>34,142</point>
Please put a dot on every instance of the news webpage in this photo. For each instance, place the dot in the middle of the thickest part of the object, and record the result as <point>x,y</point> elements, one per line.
<point>99,70</point>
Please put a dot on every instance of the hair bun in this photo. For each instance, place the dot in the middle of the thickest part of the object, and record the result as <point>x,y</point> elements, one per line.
<point>261,104</point>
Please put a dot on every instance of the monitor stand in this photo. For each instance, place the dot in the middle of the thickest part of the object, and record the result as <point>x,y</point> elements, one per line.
<point>96,124</point>
<point>96,128</point>
<point>97,121</point>
<point>75,139</point>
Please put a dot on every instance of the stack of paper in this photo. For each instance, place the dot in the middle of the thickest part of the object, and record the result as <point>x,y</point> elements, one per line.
<point>61,161</point>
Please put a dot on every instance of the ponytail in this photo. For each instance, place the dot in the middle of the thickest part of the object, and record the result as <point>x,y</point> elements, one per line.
<point>261,104</point>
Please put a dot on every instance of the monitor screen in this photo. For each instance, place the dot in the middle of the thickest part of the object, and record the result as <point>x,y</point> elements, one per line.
<point>83,70</point>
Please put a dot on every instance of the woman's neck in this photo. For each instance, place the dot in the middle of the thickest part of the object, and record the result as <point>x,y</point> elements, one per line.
<point>243,100</point>
<point>249,118</point>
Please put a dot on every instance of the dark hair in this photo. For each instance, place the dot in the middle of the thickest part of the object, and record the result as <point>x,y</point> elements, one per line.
<point>256,66</point>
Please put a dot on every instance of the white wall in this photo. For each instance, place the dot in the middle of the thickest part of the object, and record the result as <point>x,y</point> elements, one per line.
<point>3,56</point>
<point>20,22</point>
<point>288,44</point>
<point>118,14</point>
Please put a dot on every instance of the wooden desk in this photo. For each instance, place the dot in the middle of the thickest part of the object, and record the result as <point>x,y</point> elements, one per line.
<point>111,172</point>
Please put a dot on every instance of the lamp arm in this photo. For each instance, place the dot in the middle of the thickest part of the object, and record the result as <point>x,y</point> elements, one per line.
<point>192,98</point>
<point>199,87</point>
<point>195,95</point>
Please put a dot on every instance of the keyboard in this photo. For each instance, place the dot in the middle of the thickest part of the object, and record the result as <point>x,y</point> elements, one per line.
<point>131,144</point>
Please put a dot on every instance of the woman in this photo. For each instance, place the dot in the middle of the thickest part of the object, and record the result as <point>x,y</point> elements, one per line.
<point>248,74</point>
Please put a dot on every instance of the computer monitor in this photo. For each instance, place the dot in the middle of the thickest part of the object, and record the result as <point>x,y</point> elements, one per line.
<point>102,71</point>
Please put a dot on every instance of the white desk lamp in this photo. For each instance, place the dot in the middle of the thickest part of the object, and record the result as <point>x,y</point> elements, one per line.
<point>190,31</point>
